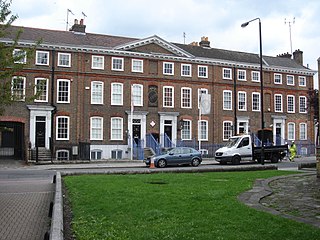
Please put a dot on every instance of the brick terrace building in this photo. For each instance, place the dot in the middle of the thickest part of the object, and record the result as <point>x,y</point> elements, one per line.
<point>88,82</point>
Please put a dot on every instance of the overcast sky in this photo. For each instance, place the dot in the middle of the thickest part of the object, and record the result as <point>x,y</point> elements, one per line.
<point>219,20</point>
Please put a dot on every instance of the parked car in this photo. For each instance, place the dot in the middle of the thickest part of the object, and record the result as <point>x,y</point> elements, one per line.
<point>177,156</point>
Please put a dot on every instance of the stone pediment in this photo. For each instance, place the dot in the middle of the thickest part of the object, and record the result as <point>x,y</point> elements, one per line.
<point>154,45</point>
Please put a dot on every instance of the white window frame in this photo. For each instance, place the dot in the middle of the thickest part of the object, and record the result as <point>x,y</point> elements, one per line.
<point>137,65</point>
<point>58,90</point>
<point>46,89</point>
<point>276,104</point>
<point>202,71</point>
<point>201,91</point>
<point>62,151</point>
<point>200,131</point>
<point>59,59</point>
<point>183,98</point>
<point>112,129</point>
<point>303,129</point>
<point>303,109</point>
<point>255,76</point>
<point>97,62</point>
<point>137,95</point>
<point>225,107</point>
<point>164,102</point>
<point>227,73</point>
<point>95,153</point>
<point>304,81</point>
<point>291,132</point>
<point>15,90</point>
<point>291,105</point>
<point>225,136</point>
<point>186,131</point>
<point>183,71</point>
<point>242,75</point>
<point>259,102</point>
<point>57,127</point>
<point>168,70</point>
<point>277,78</point>
<point>19,53</point>
<point>97,94</point>
<point>245,101</point>
<point>113,94</point>
<point>96,132</point>
<point>46,63</point>
<point>288,77</point>
<point>117,66</point>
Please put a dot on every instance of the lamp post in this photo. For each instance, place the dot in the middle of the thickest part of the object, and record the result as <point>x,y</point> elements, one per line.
<point>261,87</point>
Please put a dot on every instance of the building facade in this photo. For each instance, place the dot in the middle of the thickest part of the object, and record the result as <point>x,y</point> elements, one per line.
<point>98,95</point>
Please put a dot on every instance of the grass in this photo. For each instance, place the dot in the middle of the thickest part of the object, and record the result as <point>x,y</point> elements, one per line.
<point>174,206</point>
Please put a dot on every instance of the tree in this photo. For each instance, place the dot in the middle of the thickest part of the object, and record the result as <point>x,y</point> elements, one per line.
<point>8,60</point>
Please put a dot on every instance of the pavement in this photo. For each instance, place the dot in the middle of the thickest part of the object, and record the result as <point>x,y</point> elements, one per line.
<point>295,197</point>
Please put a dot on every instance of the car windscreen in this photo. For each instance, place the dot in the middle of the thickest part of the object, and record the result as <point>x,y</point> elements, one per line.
<point>232,141</point>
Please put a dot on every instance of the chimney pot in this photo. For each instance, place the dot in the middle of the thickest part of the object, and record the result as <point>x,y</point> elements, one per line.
<point>204,42</point>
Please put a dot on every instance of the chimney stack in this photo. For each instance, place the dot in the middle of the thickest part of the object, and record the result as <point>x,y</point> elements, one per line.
<point>285,55</point>
<point>298,56</point>
<point>204,42</point>
<point>78,27</point>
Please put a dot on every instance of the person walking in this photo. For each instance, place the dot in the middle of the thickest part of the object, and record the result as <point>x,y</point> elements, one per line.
<point>293,151</point>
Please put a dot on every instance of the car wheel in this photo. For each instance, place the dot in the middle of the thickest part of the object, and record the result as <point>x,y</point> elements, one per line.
<point>235,160</point>
<point>195,162</point>
<point>162,163</point>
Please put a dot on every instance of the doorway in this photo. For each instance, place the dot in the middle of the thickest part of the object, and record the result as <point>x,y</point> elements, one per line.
<point>40,131</point>
<point>136,130</point>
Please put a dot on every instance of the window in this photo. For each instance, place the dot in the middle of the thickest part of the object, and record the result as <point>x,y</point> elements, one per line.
<point>137,91</point>
<point>202,71</point>
<point>62,155</point>
<point>64,59</point>
<point>96,128</point>
<point>168,68</point>
<point>227,130</point>
<point>227,100</point>
<point>41,90</point>
<point>116,94</point>
<point>168,94</point>
<point>242,101</point>
<point>42,58</point>
<point>186,130</point>
<point>18,90</point>
<point>255,101</point>
<point>277,78</point>
<point>278,103</point>
<point>62,129</point>
<point>19,56</point>
<point>255,76</point>
<point>96,92</point>
<point>200,92</point>
<point>291,131</point>
<point>185,97</point>
<point>117,64</point>
<point>97,62</point>
<point>302,104</point>
<point>96,154</point>
<point>290,80</point>
<point>186,70</point>
<point>137,65</point>
<point>226,73</point>
<point>63,91</point>
<point>116,128</point>
<point>242,75</point>
<point>116,154</point>
<point>302,81</point>
<point>290,104</point>
<point>203,130</point>
<point>303,131</point>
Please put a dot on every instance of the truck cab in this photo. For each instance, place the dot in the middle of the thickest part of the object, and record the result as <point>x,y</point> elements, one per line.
<point>238,148</point>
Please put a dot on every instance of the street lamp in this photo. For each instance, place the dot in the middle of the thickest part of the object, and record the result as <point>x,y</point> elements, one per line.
<point>261,87</point>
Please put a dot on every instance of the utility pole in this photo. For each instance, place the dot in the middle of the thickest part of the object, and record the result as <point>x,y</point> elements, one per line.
<point>290,23</point>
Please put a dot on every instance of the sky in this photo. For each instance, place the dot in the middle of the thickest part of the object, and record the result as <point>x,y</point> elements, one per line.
<point>218,20</point>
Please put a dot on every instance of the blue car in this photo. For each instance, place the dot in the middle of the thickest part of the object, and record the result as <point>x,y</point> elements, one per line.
<point>177,156</point>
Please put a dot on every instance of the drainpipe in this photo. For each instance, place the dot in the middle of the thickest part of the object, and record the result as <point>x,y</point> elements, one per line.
<point>235,101</point>
<point>52,101</point>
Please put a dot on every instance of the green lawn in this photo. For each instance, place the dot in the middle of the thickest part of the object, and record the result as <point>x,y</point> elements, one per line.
<point>174,206</point>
